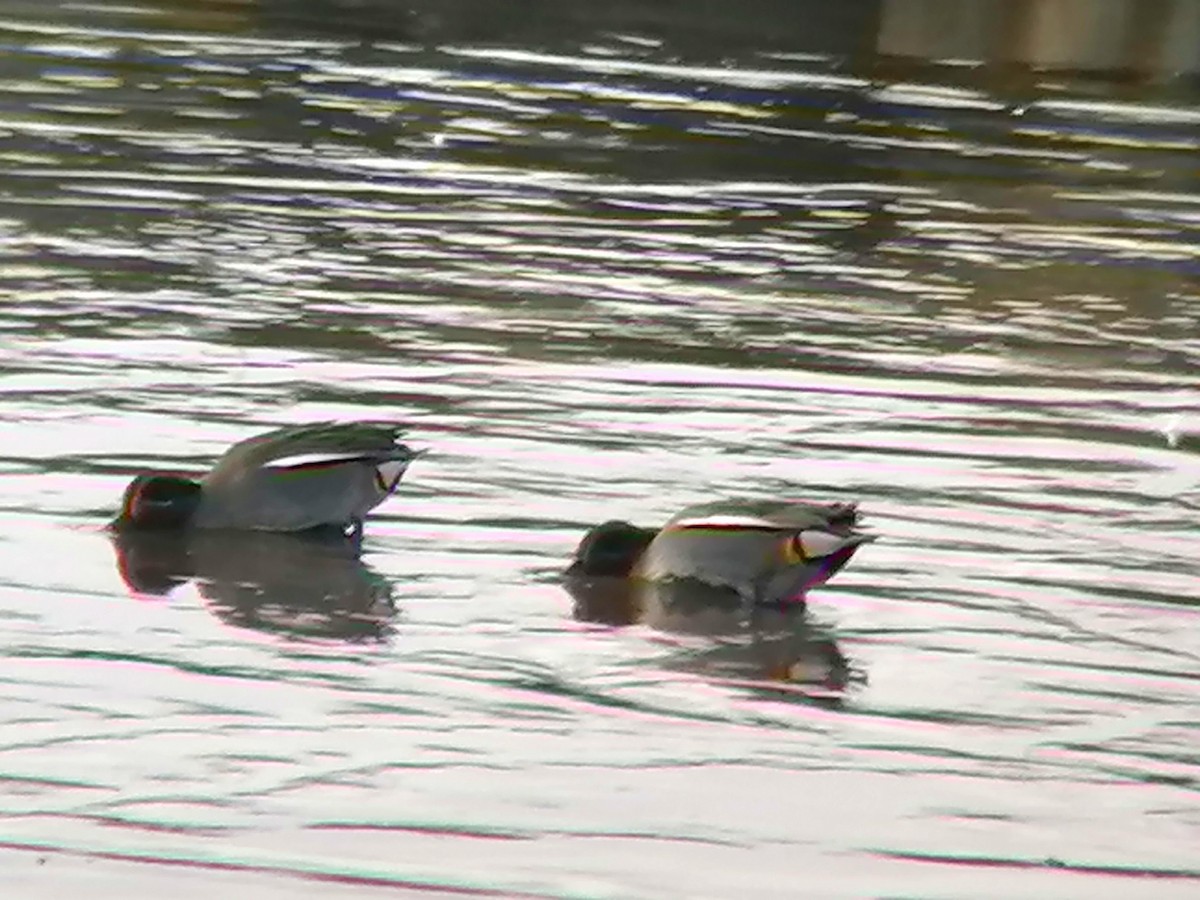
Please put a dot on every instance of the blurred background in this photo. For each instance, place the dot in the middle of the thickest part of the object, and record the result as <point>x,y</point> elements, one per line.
<point>605,260</point>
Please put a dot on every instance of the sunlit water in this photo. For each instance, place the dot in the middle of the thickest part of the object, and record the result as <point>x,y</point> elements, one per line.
<point>600,280</point>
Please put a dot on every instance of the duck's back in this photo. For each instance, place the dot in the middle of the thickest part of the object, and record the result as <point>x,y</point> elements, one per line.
<point>739,543</point>
<point>765,515</point>
<point>305,476</point>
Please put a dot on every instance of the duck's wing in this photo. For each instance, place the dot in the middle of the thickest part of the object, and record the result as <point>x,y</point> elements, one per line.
<point>819,531</point>
<point>768,515</point>
<point>313,446</point>
<point>304,476</point>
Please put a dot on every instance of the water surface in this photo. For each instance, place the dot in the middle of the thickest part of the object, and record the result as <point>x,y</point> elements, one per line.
<point>602,272</point>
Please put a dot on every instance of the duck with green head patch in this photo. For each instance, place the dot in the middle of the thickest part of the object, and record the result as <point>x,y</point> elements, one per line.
<point>769,552</point>
<point>292,479</point>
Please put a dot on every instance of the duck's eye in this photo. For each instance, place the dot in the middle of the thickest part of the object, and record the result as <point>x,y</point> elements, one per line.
<point>793,551</point>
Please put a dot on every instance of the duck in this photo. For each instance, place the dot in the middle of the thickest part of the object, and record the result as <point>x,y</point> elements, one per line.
<point>764,552</point>
<point>326,475</point>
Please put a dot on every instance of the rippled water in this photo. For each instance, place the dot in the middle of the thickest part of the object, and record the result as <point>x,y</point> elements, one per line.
<point>600,277</point>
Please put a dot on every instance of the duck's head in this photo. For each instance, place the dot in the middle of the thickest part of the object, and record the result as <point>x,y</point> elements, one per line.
<point>161,502</point>
<point>611,549</point>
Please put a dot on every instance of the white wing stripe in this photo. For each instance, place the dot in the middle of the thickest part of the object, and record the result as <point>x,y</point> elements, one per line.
<point>726,520</point>
<point>311,459</point>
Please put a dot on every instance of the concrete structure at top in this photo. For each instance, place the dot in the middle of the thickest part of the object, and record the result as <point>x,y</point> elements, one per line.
<point>1150,38</point>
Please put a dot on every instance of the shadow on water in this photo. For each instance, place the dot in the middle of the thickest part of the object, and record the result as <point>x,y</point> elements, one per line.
<point>295,585</point>
<point>772,652</point>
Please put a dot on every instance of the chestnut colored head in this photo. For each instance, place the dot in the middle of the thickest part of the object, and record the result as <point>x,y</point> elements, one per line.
<point>162,502</point>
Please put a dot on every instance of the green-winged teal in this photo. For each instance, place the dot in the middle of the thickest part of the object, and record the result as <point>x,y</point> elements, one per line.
<point>293,479</point>
<point>768,551</point>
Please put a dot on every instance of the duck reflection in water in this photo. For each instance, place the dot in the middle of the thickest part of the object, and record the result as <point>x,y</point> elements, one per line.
<point>311,584</point>
<point>768,643</point>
